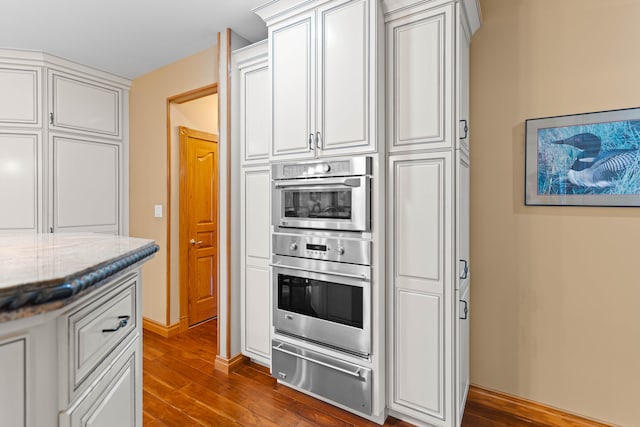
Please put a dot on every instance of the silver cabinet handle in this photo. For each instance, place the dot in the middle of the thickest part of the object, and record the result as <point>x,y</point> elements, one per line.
<point>337,182</point>
<point>318,362</point>
<point>122,322</point>
<point>465,270</point>
<point>328,273</point>
<point>465,128</point>
<point>194,242</point>
<point>465,310</point>
<point>318,140</point>
<point>310,141</point>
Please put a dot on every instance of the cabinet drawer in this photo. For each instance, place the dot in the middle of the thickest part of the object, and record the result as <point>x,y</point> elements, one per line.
<point>114,401</point>
<point>96,329</point>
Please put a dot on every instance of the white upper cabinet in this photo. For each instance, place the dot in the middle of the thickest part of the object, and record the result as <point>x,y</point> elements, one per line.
<point>293,90</point>
<point>323,81</point>
<point>20,97</point>
<point>82,105</point>
<point>63,146</point>
<point>463,91</point>
<point>20,181</point>
<point>255,127</point>
<point>420,76</point>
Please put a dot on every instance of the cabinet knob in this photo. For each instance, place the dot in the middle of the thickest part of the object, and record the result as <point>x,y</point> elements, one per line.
<point>340,251</point>
<point>293,246</point>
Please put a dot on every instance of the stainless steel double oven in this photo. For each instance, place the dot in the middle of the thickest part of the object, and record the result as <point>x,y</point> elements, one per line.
<point>322,278</point>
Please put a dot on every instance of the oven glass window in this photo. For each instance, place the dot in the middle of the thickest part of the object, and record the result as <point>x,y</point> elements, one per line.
<point>324,204</point>
<point>330,301</point>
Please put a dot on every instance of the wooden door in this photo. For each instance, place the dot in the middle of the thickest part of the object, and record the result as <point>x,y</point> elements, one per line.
<point>199,222</point>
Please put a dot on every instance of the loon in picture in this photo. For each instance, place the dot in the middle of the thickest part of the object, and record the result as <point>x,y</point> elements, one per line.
<point>595,168</point>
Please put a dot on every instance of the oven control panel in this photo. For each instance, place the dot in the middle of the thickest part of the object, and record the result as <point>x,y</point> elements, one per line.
<point>354,251</point>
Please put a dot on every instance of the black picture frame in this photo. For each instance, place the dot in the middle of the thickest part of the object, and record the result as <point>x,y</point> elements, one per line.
<point>589,159</point>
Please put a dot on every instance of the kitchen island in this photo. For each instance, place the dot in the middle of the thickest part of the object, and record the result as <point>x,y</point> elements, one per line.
<point>70,329</point>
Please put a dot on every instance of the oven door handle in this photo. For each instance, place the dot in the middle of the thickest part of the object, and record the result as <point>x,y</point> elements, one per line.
<point>355,373</point>
<point>330,273</point>
<point>334,182</point>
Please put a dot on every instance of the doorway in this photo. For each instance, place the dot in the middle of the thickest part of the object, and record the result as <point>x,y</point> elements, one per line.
<point>196,110</point>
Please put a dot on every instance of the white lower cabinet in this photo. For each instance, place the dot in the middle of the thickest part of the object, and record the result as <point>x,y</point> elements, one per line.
<point>255,274</point>
<point>420,285</point>
<point>419,351</point>
<point>113,402</point>
<point>13,372</point>
<point>85,185</point>
<point>20,181</point>
<point>462,353</point>
<point>78,366</point>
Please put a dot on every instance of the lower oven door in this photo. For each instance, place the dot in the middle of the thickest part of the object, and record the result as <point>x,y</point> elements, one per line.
<point>329,307</point>
<point>339,381</point>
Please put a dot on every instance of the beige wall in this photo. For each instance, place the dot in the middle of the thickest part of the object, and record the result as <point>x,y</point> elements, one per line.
<point>148,162</point>
<point>200,114</point>
<point>555,290</point>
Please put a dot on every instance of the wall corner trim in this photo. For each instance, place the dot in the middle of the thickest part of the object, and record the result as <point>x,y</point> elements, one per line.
<point>229,365</point>
<point>166,331</point>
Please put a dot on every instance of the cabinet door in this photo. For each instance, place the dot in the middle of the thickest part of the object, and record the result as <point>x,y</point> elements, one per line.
<point>20,181</point>
<point>21,99</point>
<point>463,64</point>
<point>420,271</point>
<point>462,215</point>
<point>344,73</point>
<point>13,377</point>
<point>254,112</point>
<point>292,46</point>
<point>84,105</point>
<point>114,401</point>
<point>256,277</point>
<point>420,92</point>
<point>462,357</point>
<point>85,185</point>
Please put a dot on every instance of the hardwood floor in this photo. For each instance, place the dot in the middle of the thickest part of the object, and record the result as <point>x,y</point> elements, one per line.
<point>182,388</point>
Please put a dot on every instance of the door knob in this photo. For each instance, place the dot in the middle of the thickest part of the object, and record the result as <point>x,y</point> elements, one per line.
<point>194,242</point>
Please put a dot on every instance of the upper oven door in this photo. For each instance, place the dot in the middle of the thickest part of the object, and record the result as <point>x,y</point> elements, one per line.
<point>341,203</point>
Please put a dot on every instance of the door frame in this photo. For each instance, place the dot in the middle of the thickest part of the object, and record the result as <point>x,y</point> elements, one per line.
<point>183,289</point>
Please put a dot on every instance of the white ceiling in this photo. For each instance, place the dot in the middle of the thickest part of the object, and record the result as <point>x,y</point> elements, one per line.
<point>125,37</point>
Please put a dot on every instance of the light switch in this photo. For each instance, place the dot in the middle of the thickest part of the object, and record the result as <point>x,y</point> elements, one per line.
<point>157,211</point>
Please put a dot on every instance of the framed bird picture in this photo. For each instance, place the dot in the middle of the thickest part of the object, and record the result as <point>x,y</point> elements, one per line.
<point>590,159</point>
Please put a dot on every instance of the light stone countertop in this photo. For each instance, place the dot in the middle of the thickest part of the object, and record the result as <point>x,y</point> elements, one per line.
<point>40,268</point>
